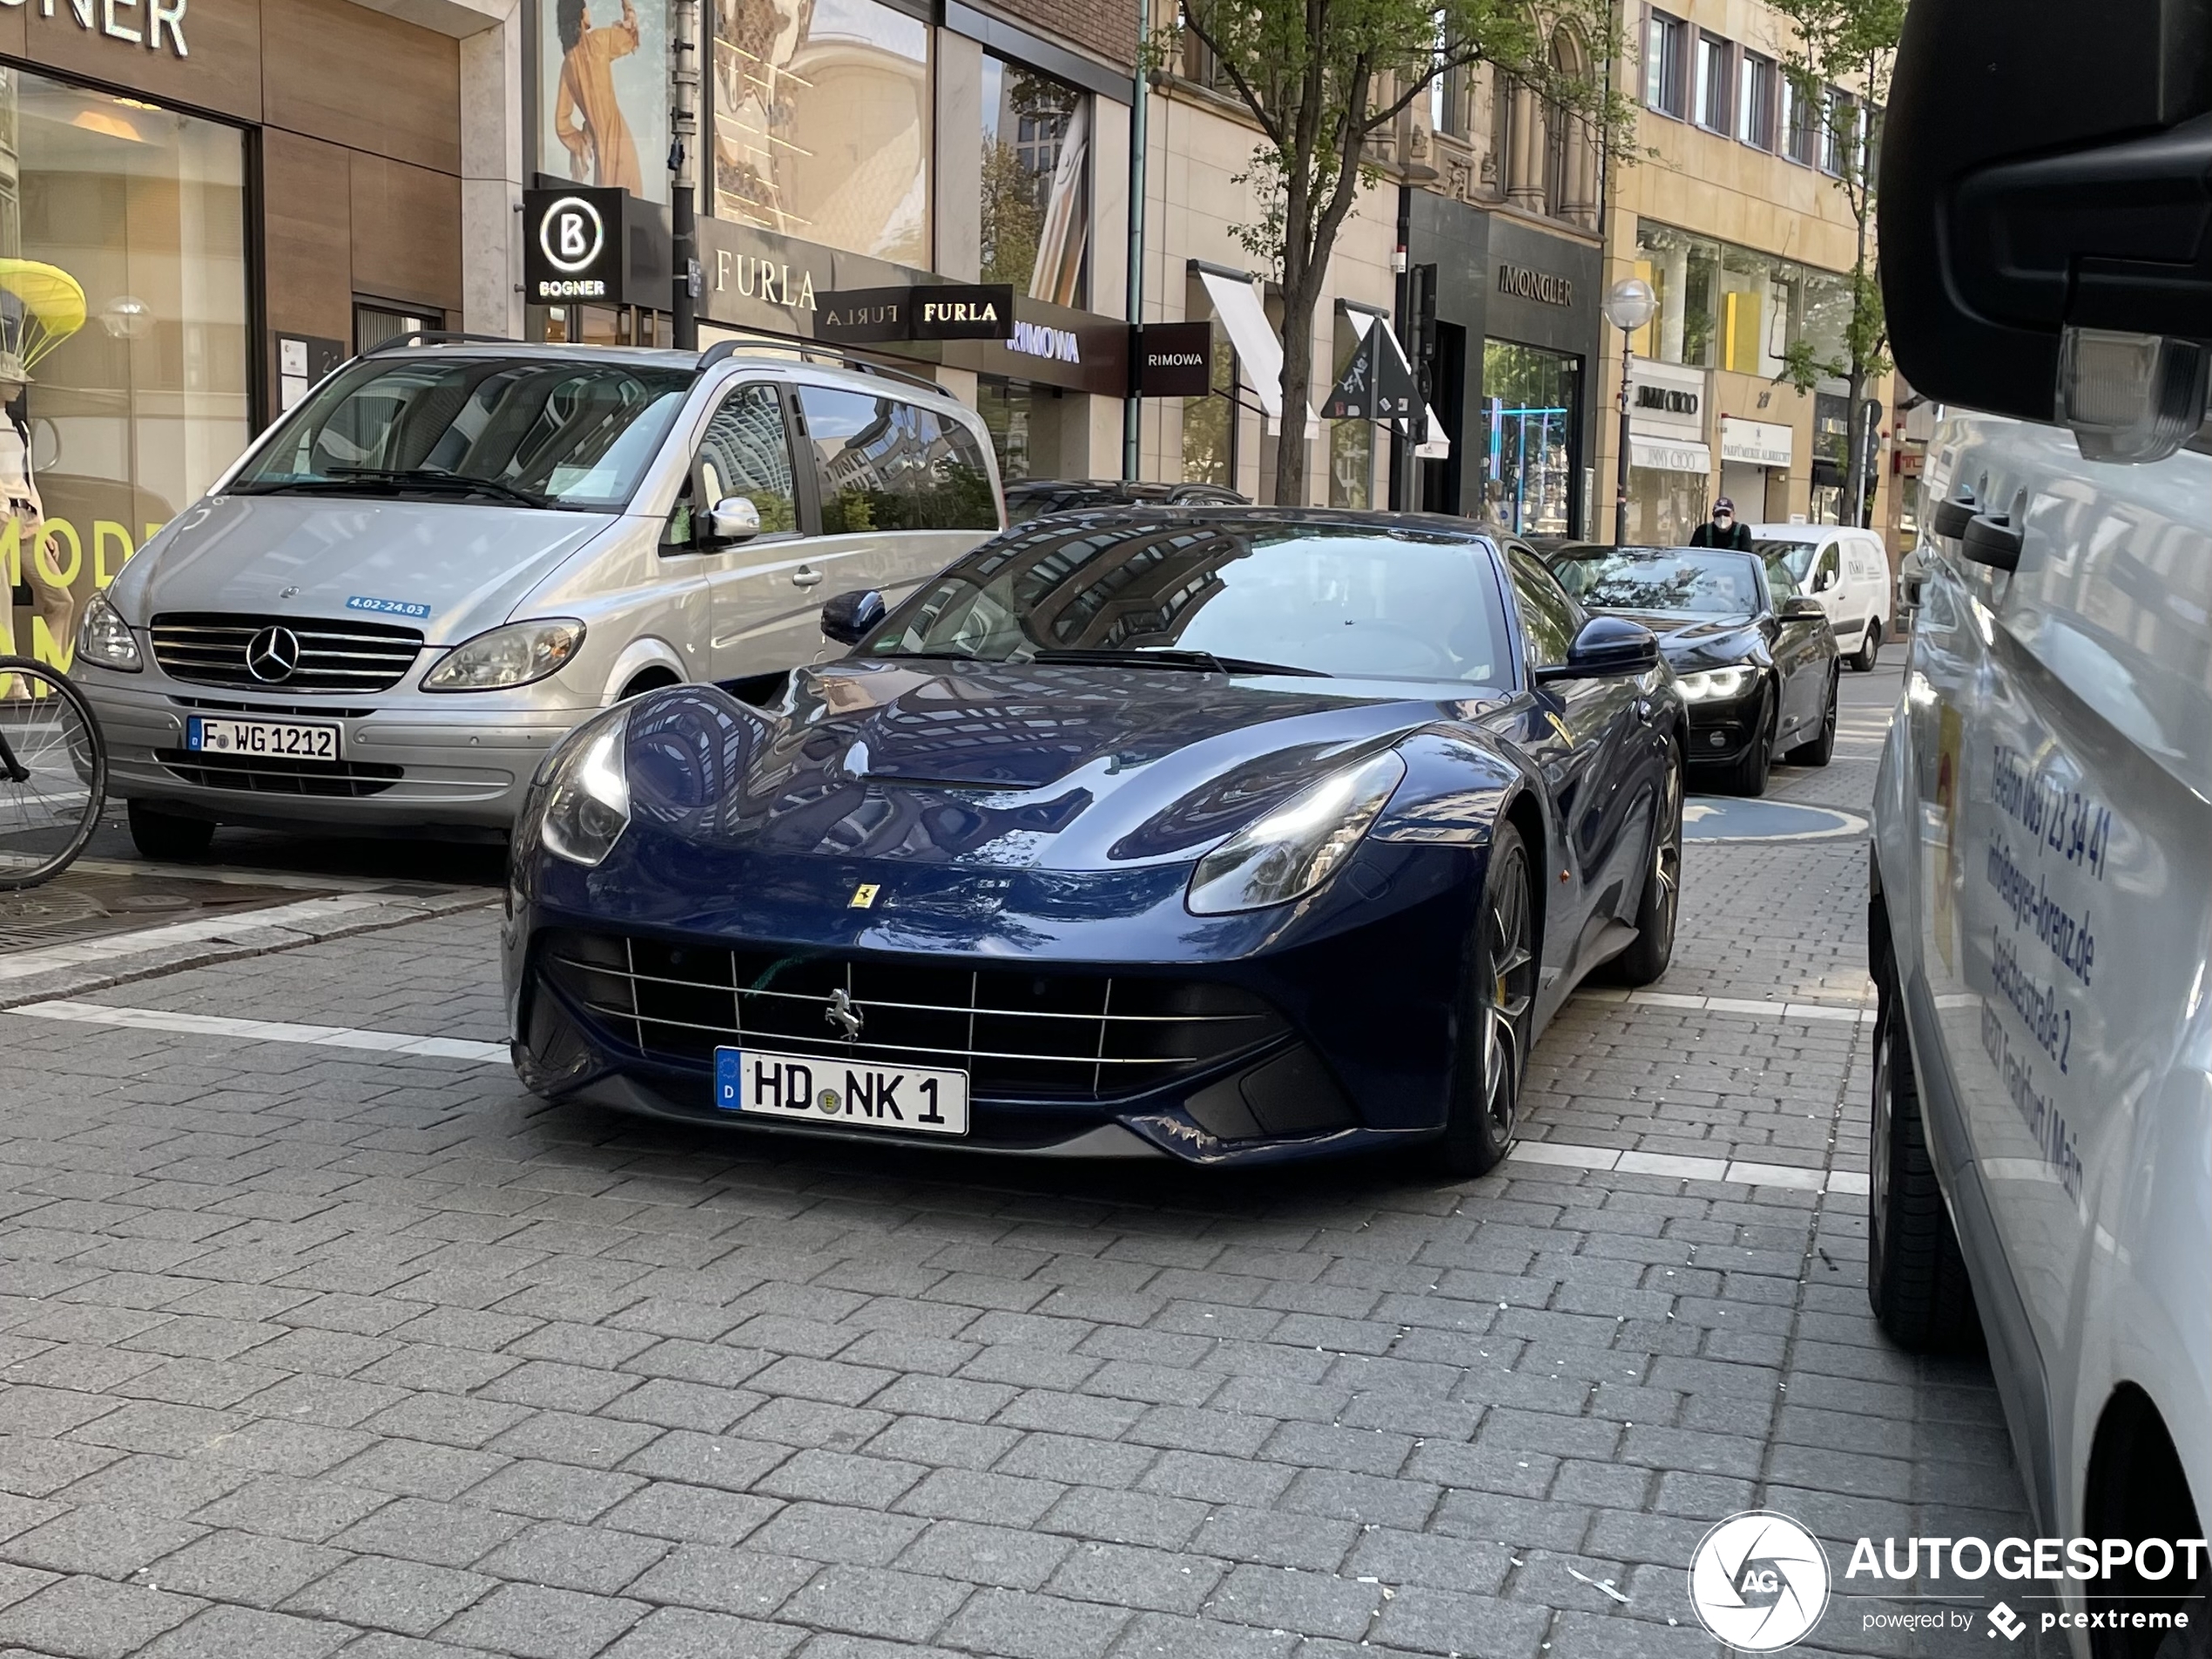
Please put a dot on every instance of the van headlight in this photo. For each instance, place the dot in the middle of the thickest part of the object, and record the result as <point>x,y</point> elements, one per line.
<point>517,654</point>
<point>103,637</point>
<point>587,791</point>
<point>1297,847</point>
<point>1713,684</point>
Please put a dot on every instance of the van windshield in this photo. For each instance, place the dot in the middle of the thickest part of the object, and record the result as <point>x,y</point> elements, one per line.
<point>1787,557</point>
<point>542,433</point>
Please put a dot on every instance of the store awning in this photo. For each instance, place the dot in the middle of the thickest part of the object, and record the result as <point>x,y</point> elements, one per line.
<point>1436,443</point>
<point>1669,454</point>
<point>1258,352</point>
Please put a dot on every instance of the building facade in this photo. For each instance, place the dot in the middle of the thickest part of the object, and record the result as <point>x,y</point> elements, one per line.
<point>1737,221</point>
<point>203,205</point>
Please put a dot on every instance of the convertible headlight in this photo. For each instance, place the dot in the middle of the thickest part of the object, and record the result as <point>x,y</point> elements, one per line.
<point>587,791</point>
<point>103,637</point>
<point>1296,847</point>
<point>515,655</point>
<point>1711,683</point>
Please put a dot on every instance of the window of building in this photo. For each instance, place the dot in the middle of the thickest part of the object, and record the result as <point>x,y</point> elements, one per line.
<point>1710,105</point>
<point>1034,430</point>
<point>1036,167</point>
<point>1725,306</point>
<point>821,125</point>
<point>1839,133</point>
<point>1209,422</point>
<point>1447,103</point>
<point>1799,124</point>
<point>124,298</point>
<point>1665,39</point>
<point>1755,100</point>
<point>374,325</point>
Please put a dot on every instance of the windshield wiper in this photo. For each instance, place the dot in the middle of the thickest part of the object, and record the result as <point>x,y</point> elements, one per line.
<point>347,481</point>
<point>1200,662</point>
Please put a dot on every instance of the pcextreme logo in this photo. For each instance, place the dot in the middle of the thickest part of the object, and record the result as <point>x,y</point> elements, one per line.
<point>1759,1582</point>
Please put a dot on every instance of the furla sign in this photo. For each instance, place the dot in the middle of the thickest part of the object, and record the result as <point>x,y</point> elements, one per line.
<point>155,24</point>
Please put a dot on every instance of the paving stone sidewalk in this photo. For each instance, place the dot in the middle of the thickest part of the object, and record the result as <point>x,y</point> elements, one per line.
<point>311,1353</point>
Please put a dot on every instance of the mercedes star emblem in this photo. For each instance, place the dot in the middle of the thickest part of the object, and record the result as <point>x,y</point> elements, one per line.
<point>273,655</point>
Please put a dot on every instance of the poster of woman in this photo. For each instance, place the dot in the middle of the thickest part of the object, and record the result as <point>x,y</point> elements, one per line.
<point>604,91</point>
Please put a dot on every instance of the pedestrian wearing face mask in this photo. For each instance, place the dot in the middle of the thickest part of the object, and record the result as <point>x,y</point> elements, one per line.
<point>1723,530</point>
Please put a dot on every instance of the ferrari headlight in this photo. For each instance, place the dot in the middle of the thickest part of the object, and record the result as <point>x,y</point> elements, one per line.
<point>587,791</point>
<point>515,655</point>
<point>103,637</point>
<point>1296,847</point>
<point>1711,685</point>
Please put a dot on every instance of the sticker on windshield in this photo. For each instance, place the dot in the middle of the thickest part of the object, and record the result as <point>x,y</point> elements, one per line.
<point>389,607</point>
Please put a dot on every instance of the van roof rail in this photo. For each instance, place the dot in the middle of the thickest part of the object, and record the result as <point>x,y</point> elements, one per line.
<point>436,337</point>
<point>723,350</point>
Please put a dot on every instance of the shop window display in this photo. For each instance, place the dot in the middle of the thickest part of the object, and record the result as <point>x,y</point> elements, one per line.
<point>821,131</point>
<point>123,338</point>
<point>1531,407</point>
<point>1035,162</point>
<point>1210,424</point>
<point>1725,306</point>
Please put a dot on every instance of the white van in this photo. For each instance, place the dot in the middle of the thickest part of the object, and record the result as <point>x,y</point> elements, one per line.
<point>452,551</point>
<point>1848,570</point>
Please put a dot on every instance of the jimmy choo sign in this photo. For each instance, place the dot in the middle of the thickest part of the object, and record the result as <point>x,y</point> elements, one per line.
<point>150,23</point>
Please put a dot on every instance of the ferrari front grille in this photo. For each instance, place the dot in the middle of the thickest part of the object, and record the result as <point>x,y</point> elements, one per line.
<point>1018,1033</point>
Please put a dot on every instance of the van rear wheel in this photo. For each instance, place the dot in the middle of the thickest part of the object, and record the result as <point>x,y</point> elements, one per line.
<point>1870,646</point>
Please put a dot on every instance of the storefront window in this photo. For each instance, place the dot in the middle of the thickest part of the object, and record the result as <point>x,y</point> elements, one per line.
<point>1035,160</point>
<point>1210,424</point>
<point>1725,306</point>
<point>1026,424</point>
<point>122,337</point>
<point>1531,407</point>
<point>822,124</point>
<point>1664,507</point>
<point>1351,464</point>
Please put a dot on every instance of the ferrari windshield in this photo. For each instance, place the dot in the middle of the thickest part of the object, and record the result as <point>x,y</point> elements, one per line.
<point>1691,582</point>
<point>518,431</point>
<point>1245,594</point>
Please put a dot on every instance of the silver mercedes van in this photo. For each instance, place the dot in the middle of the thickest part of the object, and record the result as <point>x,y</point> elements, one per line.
<point>451,551</point>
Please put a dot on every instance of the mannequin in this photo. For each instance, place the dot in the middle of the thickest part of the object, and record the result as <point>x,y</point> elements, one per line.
<point>50,598</point>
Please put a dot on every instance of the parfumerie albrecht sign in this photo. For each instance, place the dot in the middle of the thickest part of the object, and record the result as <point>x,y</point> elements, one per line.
<point>161,23</point>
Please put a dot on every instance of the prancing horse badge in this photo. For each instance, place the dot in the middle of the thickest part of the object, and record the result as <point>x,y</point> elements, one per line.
<point>864,896</point>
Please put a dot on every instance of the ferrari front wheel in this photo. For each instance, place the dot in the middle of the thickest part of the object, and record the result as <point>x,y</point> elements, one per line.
<point>1492,1055</point>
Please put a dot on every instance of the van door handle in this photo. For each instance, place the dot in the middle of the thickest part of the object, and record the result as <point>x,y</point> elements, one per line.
<point>805,577</point>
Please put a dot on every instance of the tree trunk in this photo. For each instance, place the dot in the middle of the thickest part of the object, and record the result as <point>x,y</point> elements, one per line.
<point>1299,298</point>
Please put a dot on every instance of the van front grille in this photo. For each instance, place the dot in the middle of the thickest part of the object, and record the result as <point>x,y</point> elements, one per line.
<point>1019,1035</point>
<point>283,654</point>
<point>274,775</point>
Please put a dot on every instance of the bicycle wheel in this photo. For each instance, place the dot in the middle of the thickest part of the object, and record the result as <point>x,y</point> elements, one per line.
<point>53,772</point>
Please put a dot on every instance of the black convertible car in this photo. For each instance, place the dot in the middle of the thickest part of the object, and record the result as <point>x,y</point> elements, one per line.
<point>1759,674</point>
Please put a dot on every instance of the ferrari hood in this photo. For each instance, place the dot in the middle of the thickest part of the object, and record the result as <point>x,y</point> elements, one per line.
<point>451,568</point>
<point>1020,765</point>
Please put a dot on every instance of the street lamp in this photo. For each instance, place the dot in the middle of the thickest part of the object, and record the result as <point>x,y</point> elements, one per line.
<point>1628,306</point>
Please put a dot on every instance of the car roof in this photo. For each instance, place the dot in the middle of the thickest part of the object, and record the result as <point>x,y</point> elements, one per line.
<point>766,358</point>
<point>1183,515</point>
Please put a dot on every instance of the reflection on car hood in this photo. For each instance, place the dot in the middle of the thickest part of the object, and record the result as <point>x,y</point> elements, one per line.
<point>470,563</point>
<point>1690,643</point>
<point>1020,766</point>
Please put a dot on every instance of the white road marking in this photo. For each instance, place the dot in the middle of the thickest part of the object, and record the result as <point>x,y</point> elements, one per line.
<point>23,964</point>
<point>1735,1171</point>
<point>320,1036</point>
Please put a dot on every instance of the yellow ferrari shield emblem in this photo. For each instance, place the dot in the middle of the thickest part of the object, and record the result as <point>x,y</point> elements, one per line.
<point>864,896</point>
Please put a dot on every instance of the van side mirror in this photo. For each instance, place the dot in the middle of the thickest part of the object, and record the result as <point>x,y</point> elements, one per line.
<point>2042,209</point>
<point>733,520</point>
<point>1823,578</point>
<point>850,618</point>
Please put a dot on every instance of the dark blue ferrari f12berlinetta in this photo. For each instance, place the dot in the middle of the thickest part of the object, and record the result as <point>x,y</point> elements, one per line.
<point>1226,833</point>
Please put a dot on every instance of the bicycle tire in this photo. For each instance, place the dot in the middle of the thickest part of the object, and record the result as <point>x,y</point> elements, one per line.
<point>59,845</point>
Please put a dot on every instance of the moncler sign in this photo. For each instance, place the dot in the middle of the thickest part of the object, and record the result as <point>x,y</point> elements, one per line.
<point>575,250</point>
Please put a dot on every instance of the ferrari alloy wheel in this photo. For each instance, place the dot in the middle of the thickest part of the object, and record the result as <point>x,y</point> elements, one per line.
<point>1647,959</point>
<point>1493,1048</point>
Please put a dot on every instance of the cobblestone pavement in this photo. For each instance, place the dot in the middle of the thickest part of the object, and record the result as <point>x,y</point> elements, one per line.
<point>308,1350</point>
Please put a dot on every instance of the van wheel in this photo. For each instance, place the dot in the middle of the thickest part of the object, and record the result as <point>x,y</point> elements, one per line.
<point>1497,1002</point>
<point>168,838</point>
<point>1916,1275</point>
<point>1870,646</point>
<point>652,680</point>
<point>1820,749</point>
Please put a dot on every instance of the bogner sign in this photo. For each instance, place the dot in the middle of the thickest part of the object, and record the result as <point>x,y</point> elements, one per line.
<point>161,23</point>
<point>577,249</point>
